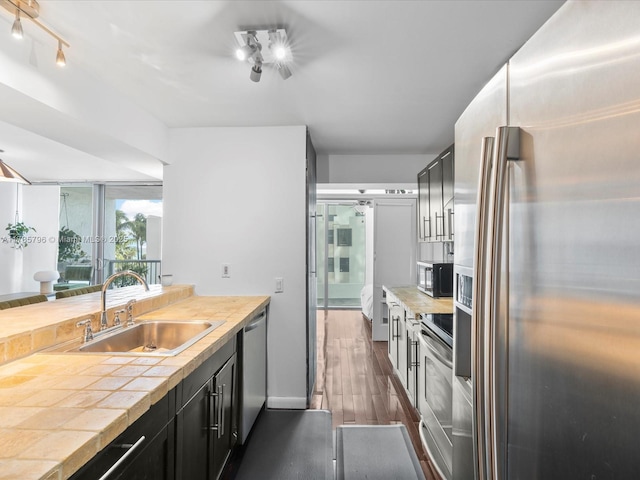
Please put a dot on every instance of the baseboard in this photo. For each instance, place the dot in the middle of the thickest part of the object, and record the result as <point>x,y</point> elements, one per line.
<point>296,403</point>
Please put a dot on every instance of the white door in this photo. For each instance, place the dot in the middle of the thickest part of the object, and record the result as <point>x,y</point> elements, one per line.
<point>394,261</point>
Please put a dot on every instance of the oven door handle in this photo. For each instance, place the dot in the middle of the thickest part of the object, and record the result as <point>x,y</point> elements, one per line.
<point>435,352</point>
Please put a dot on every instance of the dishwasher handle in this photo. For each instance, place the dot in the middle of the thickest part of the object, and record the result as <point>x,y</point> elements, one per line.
<point>131,448</point>
<point>255,323</point>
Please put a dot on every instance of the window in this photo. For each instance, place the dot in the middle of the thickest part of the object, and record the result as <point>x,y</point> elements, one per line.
<point>125,236</point>
<point>344,264</point>
<point>344,237</point>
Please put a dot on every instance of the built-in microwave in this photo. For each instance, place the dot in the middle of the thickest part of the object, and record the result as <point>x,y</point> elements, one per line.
<point>435,279</point>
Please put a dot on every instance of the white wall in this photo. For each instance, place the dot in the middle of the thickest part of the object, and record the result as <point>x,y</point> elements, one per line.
<point>237,196</point>
<point>40,207</point>
<point>10,259</point>
<point>362,169</point>
<point>37,207</point>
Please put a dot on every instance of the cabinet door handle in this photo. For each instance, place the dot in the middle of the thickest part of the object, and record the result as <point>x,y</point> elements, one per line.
<point>221,411</point>
<point>130,449</point>
<point>216,411</point>
<point>395,319</point>
<point>424,221</point>
<point>439,218</point>
<point>214,399</point>
<point>416,363</point>
<point>451,213</point>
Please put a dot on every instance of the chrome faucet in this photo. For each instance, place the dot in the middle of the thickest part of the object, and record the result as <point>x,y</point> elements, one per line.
<point>105,285</point>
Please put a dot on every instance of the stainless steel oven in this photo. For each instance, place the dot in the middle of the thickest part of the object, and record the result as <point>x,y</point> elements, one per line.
<point>435,279</point>
<point>435,389</point>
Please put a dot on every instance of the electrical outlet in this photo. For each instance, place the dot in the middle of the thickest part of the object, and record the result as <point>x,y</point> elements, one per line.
<point>279,285</point>
<point>226,270</point>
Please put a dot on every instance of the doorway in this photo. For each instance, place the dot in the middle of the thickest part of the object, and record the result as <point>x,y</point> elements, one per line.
<point>341,250</point>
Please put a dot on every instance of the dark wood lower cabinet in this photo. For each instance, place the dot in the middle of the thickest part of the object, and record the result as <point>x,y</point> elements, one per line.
<point>154,461</point>
<point>187,435</point>
<point>206,427</point>
<point>225,436</point>
<point>142,452</point>
<point>192,437</point>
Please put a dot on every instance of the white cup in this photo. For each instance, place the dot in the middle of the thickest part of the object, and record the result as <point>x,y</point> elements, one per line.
<point>166,280</point>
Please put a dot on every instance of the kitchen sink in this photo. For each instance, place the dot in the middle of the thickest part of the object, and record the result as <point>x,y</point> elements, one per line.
<point>155,338</point>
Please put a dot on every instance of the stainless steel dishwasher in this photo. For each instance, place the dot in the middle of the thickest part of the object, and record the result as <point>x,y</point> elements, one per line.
<point>254,371</point>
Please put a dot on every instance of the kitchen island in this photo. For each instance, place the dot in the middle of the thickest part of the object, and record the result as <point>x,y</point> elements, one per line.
<point>58,410</point>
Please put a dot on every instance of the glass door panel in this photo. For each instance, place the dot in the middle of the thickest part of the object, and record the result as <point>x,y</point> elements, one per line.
<point>320,253</point>
<point>341,248</point>
<point>75,239</point>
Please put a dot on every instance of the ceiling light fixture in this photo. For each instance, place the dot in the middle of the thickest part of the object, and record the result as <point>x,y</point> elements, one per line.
<point>276,52</point>
<point>8,174</point>
<point>31,9</point>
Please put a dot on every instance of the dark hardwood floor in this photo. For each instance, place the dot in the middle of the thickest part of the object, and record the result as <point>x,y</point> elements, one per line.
<point>355,380</point>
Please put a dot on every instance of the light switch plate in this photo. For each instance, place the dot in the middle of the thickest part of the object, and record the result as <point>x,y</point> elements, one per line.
<point>279,285</point>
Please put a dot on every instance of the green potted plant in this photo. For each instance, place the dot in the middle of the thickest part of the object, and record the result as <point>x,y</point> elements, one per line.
<point>18,232</point>
<point>69,245</point>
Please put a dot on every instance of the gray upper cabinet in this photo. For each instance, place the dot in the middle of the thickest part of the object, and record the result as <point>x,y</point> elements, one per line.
<point>435,201</point>
<point>435,193</point>
<point>423,206</point>
<point>447,193</point>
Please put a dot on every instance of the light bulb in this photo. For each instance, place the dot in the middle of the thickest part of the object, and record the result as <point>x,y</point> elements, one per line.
<point>244,52</point>
<point>60,60</point>
<point>280,52</point>
<point>16,29</point>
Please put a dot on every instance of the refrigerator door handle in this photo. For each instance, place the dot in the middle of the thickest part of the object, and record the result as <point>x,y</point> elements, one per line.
<point>477,323</point>
<point>507,148</point>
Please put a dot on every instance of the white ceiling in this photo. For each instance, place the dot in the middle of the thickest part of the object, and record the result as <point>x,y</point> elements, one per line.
<point>369,77</point>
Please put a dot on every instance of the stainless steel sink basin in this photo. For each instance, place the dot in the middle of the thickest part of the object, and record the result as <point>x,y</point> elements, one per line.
<point>155,338</point>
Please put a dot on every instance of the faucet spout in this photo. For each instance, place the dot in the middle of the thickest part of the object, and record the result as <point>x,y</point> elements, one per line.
<point>105,285</point>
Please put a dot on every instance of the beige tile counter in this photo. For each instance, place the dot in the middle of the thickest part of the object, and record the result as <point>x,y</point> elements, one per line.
<point>58,410</point>
<point>26,329</point>
<point>417,302</point>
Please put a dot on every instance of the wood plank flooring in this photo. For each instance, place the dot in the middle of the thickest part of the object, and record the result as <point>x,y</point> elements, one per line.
<point>355,380</point>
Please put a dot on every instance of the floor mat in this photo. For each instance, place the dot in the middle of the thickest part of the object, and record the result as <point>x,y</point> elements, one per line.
<point>376,452</point>
<point>288,445</point>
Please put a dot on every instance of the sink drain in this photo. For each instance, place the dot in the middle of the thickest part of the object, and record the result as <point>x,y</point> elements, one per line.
<point>149,348</point>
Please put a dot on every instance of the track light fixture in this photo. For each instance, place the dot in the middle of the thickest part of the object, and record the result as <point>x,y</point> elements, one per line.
<point>264,47</point>
<point>31,9</point>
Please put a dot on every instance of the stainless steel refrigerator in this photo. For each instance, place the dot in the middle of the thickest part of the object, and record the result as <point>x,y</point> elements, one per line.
<point>547,317</point>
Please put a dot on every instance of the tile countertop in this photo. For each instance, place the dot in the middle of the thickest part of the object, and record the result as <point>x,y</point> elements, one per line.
<point>26,329</point>
<point>417,302</point>
<point>58,410</point>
